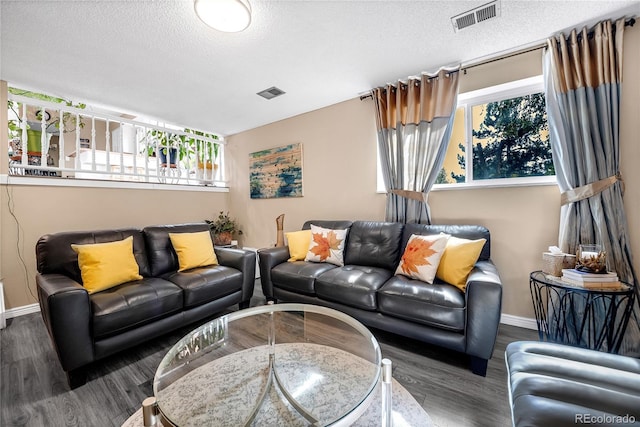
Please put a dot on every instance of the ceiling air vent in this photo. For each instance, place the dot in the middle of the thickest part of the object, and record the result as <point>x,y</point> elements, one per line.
<point>475,16</point>
<point>271,93</point>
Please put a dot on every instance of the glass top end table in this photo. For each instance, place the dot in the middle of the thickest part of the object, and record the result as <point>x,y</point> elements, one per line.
<point>582,317</point>
<point>283,364</point>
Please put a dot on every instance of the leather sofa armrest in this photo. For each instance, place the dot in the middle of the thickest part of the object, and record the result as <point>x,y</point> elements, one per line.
<point>484,306</point>
<point>242,260</point>
<point>269,258</point>
<point>66,311</point>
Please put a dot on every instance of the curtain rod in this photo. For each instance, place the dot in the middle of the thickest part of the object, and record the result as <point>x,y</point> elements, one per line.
<point>541,45</point>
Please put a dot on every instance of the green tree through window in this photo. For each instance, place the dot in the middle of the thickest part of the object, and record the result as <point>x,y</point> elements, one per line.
<point>512,139</point>
<point>499,136</point>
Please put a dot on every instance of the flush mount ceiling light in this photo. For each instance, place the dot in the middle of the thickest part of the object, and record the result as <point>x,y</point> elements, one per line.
<point>230,16</point>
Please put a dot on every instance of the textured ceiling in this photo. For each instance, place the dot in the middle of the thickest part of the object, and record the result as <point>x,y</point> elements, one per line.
<point>157,58</point>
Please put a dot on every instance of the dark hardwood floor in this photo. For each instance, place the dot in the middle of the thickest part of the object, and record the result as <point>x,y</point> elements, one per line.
<point>33,389</point>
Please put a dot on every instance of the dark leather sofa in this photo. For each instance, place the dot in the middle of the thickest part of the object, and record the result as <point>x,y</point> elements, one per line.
<point>366,288</point>
<point>87,327</point>
<point>555,385</point>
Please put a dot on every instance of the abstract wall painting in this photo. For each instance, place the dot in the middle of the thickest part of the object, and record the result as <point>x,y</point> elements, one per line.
<point>276,172</point>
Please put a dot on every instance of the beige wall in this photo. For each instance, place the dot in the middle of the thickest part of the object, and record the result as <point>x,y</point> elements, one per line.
<point>339,145</point>
<point>339,180</point>
<point>40,210</point>
<point>630,138</point>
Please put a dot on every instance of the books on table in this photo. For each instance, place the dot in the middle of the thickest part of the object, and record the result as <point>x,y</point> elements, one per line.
<point>582,279</point>
<point>572,273</point>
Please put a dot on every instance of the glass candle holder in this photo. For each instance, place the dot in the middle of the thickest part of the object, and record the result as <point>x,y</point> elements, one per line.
<point>591,258</point>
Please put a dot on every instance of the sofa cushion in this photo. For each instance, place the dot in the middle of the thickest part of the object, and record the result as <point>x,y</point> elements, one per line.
<point>55,256</point>
<point>439,305</point>
<point>471,232</point>
<point>332,224</point>
<point>133,304</point>
<point>105,265</point>
<point>421,257</point>
<point>327,245</point>
<point>162,257</point>
<point>353,285</point>
<point>374,244</point>
<point>193,249</point>
<point>458,259</point>
<point>203,284</point>
<point>298,243</point>
<point>298,276</point>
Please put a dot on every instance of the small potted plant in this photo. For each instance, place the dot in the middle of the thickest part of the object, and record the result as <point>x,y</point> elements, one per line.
<point>222,228</point>
<point>206,160</point>
<point>169,146</point>
<point>53,120</point>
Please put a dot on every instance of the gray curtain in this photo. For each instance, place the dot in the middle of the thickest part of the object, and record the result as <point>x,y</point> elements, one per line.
<point>583,78</point>
<point>414,122</point>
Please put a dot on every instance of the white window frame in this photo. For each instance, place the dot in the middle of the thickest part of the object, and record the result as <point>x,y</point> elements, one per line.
<point>468,100</point>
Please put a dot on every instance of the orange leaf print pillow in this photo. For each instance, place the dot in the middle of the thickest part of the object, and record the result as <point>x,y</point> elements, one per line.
<point>421,256</point>
<point>327,245</point>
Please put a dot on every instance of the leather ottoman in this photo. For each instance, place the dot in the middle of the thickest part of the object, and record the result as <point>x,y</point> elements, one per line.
<point>556,385</point>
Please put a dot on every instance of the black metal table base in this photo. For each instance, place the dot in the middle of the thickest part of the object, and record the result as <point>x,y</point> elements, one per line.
<point>588,318</point>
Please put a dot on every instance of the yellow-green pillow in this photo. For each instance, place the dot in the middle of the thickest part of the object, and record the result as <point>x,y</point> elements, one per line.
<point>458,260</point>
<point>193,249</point>
<point>105,265</point>
<point>298,242</point>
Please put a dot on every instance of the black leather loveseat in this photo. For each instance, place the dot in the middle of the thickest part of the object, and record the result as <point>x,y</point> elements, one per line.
<point>87,327</point>
<point>367,289</point>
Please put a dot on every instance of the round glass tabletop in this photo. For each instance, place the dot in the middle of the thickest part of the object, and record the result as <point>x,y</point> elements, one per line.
<point>283,364</point>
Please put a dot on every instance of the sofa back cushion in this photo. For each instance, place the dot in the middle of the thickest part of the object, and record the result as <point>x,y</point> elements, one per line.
<point>162,257</point>
<point>55,256</point>
<point>471,232</point>
<point>338,224</point>
<point>374,244</point>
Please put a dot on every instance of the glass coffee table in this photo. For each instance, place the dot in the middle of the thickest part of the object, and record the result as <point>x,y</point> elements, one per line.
<point>281,365</point>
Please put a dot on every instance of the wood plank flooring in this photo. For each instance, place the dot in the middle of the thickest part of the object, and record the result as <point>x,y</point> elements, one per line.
<point>33,389</point>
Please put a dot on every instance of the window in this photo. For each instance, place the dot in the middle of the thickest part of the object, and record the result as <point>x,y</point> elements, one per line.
<point>505,130</point>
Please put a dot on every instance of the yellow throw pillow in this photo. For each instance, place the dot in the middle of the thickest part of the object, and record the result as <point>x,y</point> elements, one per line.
<point>105,265</point>
<point>458,260</point>
<point>193,249</point>
<point>298,242</point>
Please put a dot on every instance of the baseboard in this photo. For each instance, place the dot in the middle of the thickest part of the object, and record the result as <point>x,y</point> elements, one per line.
<point>21,311</point>
<point>522,322</point>
<point>3,316</point>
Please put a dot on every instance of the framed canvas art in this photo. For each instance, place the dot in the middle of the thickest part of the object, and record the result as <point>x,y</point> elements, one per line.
<point>276,172</point>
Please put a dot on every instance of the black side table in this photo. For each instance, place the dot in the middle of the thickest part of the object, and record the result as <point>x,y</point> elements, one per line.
<point>588,318</point>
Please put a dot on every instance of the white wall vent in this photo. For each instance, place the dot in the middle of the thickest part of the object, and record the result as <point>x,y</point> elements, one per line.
<point>475,16</point>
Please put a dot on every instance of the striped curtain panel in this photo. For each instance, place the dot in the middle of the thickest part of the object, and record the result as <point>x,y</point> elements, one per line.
<point>414,122</point>
<point>583,78</point>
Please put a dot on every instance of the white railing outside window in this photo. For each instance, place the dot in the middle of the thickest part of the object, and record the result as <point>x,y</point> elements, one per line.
<point>56,140</point>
